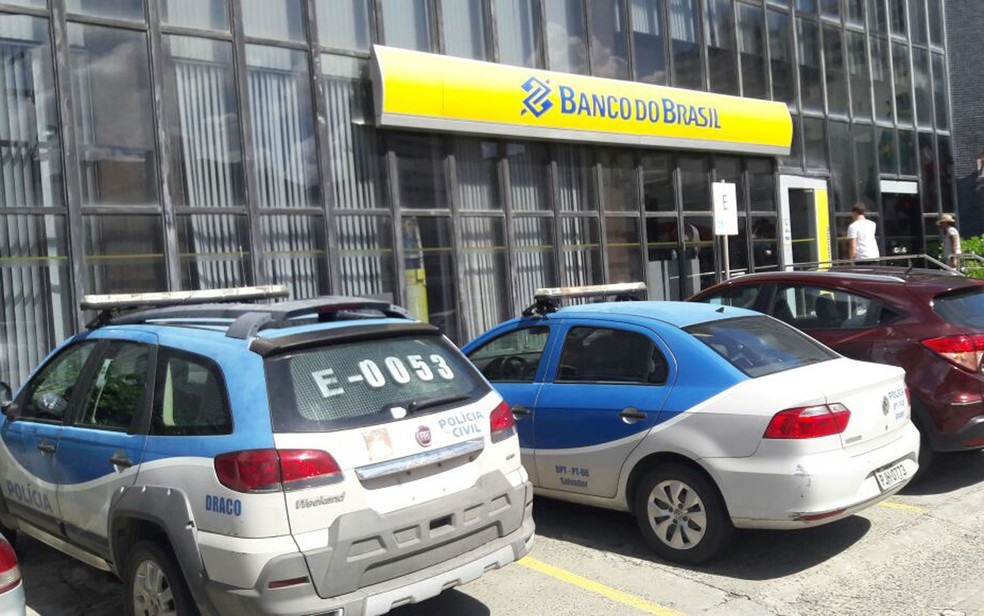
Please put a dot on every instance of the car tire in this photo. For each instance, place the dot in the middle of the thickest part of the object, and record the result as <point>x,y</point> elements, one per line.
<point>681,515</point>
<point>154,583</point>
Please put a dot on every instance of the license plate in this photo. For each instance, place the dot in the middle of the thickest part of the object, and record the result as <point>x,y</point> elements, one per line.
<point>891,476</point>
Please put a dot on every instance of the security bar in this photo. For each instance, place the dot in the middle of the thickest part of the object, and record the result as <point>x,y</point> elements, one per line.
<point>634,289</point>
<point>121,301</point>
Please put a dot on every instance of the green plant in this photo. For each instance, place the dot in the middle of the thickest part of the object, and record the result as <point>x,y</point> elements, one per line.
<point>975,245</point>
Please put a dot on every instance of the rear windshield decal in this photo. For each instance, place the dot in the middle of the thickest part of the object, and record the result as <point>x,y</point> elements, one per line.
<point>372,375</point>
<point>367,383</point>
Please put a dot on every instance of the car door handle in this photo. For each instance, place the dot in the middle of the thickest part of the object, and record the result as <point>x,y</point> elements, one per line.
<point>632,415</point>
<point>119,459</point>
<point>46,447</point>
<point>521,410</point>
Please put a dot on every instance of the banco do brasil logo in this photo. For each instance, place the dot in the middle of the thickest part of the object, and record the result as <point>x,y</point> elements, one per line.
<point>537,93</point>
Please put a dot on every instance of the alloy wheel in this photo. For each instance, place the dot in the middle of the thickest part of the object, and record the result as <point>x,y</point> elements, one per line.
<point>677,514</point>
<point>152,594</point>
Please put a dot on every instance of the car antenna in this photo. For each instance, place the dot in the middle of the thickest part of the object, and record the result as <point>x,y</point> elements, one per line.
<point>721,309</point>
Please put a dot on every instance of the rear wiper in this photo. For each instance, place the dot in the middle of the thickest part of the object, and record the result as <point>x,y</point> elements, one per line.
<point>419,405</point>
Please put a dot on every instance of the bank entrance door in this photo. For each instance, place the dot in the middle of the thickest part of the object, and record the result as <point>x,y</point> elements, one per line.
<point>902,222</point>
<point>805,218</point>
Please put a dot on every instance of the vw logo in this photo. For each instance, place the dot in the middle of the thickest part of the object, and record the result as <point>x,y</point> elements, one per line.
<point>423,436</point>
<point>886,406</point>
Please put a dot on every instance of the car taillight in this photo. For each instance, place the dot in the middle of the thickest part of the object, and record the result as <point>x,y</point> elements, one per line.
<point>809,422</point>
<point>269,470</point>
<point>502,423</point>
<point>964,351</point>
<point>10,575</point>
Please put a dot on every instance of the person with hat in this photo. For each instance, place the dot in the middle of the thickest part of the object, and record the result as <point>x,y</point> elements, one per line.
<point>951,240</point>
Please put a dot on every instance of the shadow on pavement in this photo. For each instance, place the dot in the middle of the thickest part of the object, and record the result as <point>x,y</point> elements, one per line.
<point>57,585</point>
<point>753,555</point>
<point>448,602</point>
<point>949,472</point>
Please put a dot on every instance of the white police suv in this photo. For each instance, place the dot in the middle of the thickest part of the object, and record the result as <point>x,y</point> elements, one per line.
<point>325,456</point>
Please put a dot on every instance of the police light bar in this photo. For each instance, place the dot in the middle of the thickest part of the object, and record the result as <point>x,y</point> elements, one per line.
<point>599,290</point>
<point>179,298</point>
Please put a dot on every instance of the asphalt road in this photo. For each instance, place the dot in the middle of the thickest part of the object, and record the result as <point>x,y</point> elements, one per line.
<point>921,552</point>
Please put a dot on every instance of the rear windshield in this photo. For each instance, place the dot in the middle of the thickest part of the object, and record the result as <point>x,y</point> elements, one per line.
<point>963,309</point>
<point>368,382</point>
<point>759,346</point>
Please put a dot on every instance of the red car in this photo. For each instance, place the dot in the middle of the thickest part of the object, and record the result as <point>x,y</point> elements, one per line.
<point>929,322</point>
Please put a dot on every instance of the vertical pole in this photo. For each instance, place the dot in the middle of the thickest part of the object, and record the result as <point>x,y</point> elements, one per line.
<point>727,259</point>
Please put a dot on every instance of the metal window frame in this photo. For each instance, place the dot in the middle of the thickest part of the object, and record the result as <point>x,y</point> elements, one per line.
<point>705,60</point>
<point>258,261</point>
<point>72,175</point>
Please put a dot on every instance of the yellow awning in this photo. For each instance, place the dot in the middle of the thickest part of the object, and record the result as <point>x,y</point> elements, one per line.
<point>433,92</point>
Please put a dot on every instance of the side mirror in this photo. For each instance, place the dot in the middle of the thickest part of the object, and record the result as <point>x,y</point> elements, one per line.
<point>7,402</point>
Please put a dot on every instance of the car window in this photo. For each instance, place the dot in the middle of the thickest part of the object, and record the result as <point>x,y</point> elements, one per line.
<point>964,308</point>
<point>49,393</point>
<point>603,355</point>
<point>191,397</point>
<point>119,388</point>
<point>512,357</point>
<point>759,346</point>
<point>741,296</point>
<point>368,382</point>
<point>809,307</point>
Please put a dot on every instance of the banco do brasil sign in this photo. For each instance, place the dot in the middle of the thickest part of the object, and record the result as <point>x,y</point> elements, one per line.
<point>427,91</point>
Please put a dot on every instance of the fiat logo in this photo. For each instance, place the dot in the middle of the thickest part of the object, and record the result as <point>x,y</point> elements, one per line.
<point>423,436</point>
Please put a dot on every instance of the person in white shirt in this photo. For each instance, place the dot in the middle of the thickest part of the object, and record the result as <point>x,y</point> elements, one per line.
<point>951,240</point>
<point>861,242</point>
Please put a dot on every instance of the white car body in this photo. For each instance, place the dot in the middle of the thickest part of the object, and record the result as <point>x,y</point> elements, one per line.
<point>774,483</point>
<point>631,397</point>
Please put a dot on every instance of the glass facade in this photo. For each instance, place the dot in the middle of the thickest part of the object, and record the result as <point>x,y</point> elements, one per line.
<point>245,151</point>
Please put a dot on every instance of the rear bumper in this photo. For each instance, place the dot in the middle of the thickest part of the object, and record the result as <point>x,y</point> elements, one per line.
<point>775,493</point>
<point>968,437</point>
<point>949,403</point>
<point>447,569</point>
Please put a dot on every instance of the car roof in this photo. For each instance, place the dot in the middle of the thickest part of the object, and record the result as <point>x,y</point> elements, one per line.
<point>258,327</point>
<point>187,334</point>
<point>678,314</point>
<point>916,279</point>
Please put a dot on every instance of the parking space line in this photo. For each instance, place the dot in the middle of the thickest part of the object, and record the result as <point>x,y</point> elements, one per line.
<point>600,589</point>
<point>904,507</point>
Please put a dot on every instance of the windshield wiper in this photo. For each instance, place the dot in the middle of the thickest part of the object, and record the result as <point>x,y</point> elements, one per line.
<point>426,403</point>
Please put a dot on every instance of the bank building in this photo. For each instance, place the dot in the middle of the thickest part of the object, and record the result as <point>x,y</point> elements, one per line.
<point>452,155</point>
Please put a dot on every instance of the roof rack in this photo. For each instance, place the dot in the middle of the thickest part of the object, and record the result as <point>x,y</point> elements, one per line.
<point>547,299</point>
<point>897,261</point>
<point>243,321</point>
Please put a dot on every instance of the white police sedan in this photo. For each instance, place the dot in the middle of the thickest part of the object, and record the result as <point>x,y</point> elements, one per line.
<point>698,419</point>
